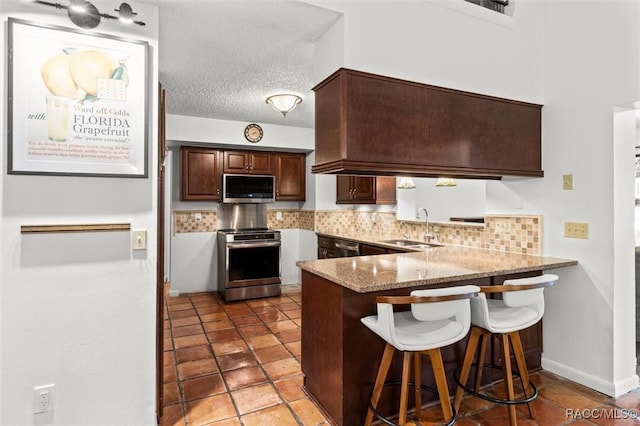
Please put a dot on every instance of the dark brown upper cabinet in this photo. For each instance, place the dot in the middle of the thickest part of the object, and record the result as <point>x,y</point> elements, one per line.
<point>200,174</point>
<point>365,190</point>
<point>367,124</point>
<point>290,176</point>
<point>254,162</point>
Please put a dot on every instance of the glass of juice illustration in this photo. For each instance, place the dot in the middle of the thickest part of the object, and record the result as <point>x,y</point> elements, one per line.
<point>58,117</point>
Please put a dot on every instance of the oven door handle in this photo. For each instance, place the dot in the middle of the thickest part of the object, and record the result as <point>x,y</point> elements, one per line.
<point>253,245</point>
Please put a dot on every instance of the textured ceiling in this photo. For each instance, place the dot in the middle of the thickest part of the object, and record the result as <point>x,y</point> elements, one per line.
<point>222,58</point>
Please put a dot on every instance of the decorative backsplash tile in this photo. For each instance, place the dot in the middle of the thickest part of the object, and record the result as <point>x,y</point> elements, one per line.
<point>283,219</point>
<point>307,220</point>
<point>186,221</point>
<point>520,234</point>
<point>291,219</point>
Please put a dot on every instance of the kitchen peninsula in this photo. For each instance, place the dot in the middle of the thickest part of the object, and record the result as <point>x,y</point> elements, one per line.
<point>340,356</point>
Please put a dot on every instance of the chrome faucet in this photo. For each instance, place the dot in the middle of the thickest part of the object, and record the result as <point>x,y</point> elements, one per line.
<point>427,236</point>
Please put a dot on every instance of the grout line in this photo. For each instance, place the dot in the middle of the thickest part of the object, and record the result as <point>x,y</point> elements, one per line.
<point>250,350</point>
<point>547,379</point>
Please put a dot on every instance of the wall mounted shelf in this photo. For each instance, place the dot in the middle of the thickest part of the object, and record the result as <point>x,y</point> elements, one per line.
<point>100,227</point>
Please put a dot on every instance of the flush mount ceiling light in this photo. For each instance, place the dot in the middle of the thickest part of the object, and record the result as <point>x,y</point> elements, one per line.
<point>284,103</point>
<point>85,15</point>
<point>406,183</point>
<point>446,181</point>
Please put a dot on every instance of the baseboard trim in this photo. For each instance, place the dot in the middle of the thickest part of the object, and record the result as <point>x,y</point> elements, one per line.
<point>613,389</point>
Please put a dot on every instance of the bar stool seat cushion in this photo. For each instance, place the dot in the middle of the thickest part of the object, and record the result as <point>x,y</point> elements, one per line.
<point>427,325</point>
<point>415,335</point>
<point>505,318</point>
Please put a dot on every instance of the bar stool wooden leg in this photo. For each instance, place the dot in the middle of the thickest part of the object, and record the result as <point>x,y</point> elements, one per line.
<point>441,382</point>
<point>387,357</point>
<point>484,338</point>
<point>522,368</point>
<point>508,377</point>
<point>472,344</point>
<point>404,392</point>
<point>417,369</point>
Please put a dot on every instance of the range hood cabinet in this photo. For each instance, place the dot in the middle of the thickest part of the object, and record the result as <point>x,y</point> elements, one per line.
<point>368,124</point>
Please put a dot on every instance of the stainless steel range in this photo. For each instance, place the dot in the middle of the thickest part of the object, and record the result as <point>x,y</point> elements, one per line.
<point>248,257</point>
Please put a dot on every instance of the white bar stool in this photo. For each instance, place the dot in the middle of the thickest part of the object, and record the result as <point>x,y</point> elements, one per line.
<point>437,318</point>
<point>522,306</point>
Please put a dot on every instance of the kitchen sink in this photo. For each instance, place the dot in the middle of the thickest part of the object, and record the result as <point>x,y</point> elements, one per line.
<point>411,243</point>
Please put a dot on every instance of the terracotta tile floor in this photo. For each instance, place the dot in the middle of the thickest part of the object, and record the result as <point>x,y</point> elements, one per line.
<point>239,364</point>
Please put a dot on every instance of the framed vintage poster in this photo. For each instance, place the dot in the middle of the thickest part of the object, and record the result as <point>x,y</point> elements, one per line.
<point>77,103</point>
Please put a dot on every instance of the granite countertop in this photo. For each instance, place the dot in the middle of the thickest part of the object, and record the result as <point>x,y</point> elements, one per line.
<point>435,265</point>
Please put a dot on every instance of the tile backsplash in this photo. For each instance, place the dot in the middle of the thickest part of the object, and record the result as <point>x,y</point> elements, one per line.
<point>520,234</point>
<point>186,221</point>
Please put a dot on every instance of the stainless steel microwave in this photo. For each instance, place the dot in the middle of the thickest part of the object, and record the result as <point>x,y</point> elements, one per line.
<point>248,188</point>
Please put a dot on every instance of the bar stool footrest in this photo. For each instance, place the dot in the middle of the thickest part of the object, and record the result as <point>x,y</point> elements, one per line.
<point>386,421</point>
<point>534,395</point>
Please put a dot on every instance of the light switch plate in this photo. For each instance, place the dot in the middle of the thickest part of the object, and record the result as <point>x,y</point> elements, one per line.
<point>139,239</point>
<point>576,230</point>
<point>567,182</point>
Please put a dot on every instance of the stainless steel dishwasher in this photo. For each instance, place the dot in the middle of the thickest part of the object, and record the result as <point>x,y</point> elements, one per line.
<point>347,248</point>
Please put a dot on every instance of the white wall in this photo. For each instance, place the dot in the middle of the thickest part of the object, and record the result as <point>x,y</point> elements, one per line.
<point>428,41</point>
<point>186,130</point>
<point>79,310</point>
<point>579,59</point>
<point>587,74</point>
<point>289,255</point>
<point>466,199</point>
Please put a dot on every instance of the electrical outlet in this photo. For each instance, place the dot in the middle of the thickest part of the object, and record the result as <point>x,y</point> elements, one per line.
<point>503,225</point>
<point>43,399</point>
<point>567,182</point>
<point>139,239</point>
<point>278,215</point>
<point>197,217</point>
<point>576,230</point>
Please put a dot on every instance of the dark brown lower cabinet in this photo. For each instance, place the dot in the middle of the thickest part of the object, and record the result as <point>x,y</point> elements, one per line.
<point>326,247</point>
<point>369,249</point>
<point>340,356</point>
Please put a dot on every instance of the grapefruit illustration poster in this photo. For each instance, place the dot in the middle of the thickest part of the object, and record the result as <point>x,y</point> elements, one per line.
<point>78,103</point>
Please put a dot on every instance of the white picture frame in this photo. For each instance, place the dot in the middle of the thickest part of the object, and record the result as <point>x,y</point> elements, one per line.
<point>77,103</point>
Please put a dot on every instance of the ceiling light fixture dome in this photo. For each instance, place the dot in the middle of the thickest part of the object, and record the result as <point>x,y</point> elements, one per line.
<point>284,103</point>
